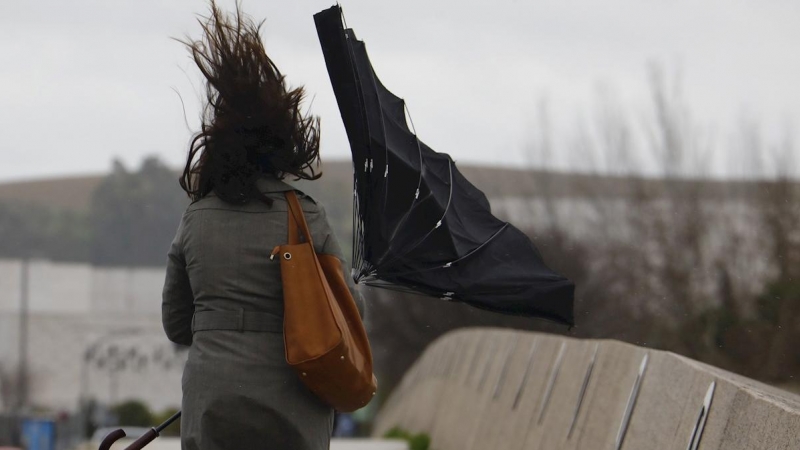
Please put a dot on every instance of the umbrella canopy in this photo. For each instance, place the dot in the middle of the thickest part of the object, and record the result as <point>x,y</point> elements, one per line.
<point>419,225</point>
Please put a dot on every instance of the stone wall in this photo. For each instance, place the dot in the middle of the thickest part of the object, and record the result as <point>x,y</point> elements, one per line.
<point>492,388</point>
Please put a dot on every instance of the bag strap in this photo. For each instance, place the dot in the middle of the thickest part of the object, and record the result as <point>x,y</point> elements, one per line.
<point>297,220</point>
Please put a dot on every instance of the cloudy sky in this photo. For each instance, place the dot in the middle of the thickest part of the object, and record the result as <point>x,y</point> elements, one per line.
<point>86,81</point>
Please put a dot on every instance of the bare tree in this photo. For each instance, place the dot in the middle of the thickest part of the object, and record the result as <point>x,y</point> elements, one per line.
<point>688,257</point>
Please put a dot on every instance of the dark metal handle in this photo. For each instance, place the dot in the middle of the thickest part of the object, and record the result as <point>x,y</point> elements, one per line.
<point>110,438</point>
<point>143,440</point>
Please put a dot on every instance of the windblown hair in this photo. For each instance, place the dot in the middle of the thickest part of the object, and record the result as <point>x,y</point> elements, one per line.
<point>251,125</point>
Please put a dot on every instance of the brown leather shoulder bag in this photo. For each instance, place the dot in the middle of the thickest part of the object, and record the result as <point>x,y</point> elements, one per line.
<point>326,342</point>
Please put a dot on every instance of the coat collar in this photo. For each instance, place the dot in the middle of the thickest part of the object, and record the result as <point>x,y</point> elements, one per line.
<point>271,184</point>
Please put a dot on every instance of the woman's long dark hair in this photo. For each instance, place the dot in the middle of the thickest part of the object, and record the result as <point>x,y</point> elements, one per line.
<point>252,125</point>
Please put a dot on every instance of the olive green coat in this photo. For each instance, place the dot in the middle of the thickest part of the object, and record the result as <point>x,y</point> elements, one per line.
<point>223,297</point>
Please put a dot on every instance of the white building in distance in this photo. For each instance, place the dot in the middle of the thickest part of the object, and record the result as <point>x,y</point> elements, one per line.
<point>92,333</point>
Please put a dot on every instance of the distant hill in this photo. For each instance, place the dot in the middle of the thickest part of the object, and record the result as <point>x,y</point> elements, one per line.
<point>74,193</point>
<point>70,193</point>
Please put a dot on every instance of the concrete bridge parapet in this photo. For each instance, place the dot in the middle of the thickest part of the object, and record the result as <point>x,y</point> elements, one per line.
<point>504,389</point>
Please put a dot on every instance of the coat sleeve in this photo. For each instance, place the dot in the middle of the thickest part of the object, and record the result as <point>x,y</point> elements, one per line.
<point>331,246</point>
<point>177,300</point>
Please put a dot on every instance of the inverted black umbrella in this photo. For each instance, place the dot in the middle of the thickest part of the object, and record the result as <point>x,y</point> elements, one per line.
<point>419,225</point>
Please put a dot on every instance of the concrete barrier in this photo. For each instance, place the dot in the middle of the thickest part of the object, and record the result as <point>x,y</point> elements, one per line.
<point>168,443</point>
<point>496,388</point>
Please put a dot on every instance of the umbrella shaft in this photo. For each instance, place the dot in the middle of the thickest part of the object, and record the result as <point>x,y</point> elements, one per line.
<point>168,422</point>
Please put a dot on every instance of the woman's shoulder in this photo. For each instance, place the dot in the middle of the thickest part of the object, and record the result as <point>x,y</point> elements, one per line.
<point>277,189</point>
<point>274,190</point>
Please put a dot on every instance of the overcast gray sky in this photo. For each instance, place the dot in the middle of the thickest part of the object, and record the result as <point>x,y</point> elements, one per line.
<point>84,81</point>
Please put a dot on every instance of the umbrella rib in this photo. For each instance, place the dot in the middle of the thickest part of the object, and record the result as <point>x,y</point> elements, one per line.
<point>385,143</point>
<point>449,264</point>
<point>419,179</point>
<point>471,252</point>
<point>341,13</point>
<point>438,224</point>
<point>363,269</point>
<point>419,152</point>
<point>358,232</point>
<point>377,282</point>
